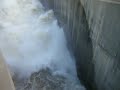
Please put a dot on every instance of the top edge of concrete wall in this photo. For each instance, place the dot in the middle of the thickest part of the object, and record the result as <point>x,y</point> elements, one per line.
<point>111,1</point>
<point>104,1</point>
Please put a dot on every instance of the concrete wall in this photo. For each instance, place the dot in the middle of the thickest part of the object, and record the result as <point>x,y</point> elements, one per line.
<point>93,34</point>
<point>104,20</point>
<point>6,82</point>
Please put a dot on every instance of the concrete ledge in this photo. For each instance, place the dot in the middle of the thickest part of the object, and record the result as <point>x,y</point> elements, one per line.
<point>6,82</point>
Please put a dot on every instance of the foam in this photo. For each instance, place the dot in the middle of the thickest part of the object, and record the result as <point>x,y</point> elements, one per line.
<point>30,39</point>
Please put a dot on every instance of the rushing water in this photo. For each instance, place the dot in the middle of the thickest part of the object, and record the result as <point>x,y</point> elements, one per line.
<point>31,40</point>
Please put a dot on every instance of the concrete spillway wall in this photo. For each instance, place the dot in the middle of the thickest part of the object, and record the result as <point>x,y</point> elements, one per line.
<point>92,29</point>
<point>103,17</point>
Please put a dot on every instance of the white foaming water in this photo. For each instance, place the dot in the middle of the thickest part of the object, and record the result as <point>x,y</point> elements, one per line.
<point>30,39</point>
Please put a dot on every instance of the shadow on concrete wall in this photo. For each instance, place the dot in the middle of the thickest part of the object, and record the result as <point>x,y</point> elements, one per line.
<point>71,17</point>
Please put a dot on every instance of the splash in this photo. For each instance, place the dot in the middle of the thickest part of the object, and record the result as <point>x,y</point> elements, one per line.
<point>30,39</point>
<point>34,47</point>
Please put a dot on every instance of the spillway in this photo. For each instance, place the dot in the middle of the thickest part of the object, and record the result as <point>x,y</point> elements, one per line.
<point>35,48</point>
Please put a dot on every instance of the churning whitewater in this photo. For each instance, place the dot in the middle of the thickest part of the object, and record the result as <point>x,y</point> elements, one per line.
<point>31,40</point>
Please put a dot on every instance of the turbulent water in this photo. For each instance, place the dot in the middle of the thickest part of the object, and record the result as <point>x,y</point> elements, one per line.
<point>31,40</point>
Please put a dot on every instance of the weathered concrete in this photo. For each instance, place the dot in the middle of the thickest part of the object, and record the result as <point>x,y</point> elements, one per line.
<point>96,44</point>
<point>104,21</point>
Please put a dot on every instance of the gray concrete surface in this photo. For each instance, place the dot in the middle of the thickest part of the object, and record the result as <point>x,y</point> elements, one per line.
<point>104,21</point>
